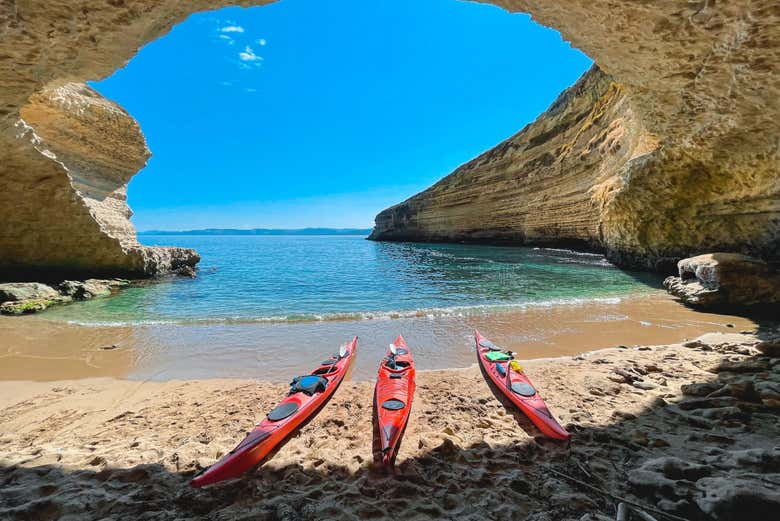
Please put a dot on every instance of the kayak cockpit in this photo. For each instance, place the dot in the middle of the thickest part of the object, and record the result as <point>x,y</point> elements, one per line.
<point>283,411</point>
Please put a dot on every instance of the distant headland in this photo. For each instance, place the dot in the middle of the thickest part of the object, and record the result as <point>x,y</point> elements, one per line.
<point>262,231</point>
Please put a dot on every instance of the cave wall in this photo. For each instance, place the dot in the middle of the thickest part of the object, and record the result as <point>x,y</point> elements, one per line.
<point>668,148</point>
<point>675,149</point>
<point>546,184</point>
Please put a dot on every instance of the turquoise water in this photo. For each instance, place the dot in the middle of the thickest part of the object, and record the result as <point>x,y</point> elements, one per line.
<point>323,278</point>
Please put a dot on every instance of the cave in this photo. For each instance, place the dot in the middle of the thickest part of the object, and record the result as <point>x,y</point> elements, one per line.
<point>667,147</point>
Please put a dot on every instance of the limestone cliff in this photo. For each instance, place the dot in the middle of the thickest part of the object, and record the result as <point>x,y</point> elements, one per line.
<point>672,153</point>
<point>88,148</point>
<point>547,183</point>
<point>672,149</point>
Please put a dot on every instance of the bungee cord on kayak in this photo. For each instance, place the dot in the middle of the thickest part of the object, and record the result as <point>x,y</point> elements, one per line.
<point>307,395</point>
<point>393,396</point>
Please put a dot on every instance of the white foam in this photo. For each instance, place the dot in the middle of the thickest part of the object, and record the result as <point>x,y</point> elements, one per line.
<point>426,313</point>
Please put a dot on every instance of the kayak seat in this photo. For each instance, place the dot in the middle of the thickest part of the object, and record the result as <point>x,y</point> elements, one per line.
<point>308,384</point>
<point>282,411</point>
<point>523,389</point>
<point>325,370</point>
<point>393,405</point>
<point>396,365</point>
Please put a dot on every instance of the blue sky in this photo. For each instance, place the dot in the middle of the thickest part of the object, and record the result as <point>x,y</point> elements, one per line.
<point>323,113</point>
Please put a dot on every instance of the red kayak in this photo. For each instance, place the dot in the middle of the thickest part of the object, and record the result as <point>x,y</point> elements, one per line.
<point>509,377</point>
<point>307,394</point>
<point>393,394</point>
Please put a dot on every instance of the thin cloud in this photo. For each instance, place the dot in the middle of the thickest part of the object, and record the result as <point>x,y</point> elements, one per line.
<point>261,42</point>
<point>232,29</point>
<point>248,55</point>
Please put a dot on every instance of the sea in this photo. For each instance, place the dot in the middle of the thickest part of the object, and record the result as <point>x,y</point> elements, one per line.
<point>334,278</point>
<point>272,307</point>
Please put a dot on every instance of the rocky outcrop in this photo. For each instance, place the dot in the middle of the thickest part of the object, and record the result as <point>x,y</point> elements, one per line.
<point>668,147</point>
<point>18,291</point>
<point>91,288</point>
<point>725,279</point>
<point>69,213</point>
<point>21,298</point>
<point>547,183</point>
<point>67,153</point>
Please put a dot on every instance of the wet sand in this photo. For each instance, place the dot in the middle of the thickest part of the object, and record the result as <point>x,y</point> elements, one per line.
<point>118,449</point>
<point>34,348</point>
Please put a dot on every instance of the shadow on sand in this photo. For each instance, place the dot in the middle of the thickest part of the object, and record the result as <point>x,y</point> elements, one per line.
<point>704,454</point>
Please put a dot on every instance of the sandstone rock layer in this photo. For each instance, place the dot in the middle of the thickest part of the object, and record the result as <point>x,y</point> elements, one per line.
<point>668,147</point>
<point>69,212</point>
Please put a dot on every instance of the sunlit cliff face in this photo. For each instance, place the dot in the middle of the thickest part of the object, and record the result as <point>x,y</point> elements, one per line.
<point>671,149</point>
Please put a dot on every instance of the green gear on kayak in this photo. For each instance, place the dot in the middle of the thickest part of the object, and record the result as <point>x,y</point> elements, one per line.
<point>497,356</point>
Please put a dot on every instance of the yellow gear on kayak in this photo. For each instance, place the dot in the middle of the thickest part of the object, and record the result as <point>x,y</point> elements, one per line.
<point>515,365</point>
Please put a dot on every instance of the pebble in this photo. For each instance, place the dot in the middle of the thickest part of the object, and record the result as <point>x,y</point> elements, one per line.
<point>646,386</point>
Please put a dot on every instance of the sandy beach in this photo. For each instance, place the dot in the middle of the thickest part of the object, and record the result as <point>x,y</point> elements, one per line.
<point>689,430</point>
<point>202,201</point>
<point>34,348</point>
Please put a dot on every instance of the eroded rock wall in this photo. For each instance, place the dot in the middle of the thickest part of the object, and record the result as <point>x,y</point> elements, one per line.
<point>671,149</point>
<point>71,215</point>
<point>547,183</point>
<point>67,153</point>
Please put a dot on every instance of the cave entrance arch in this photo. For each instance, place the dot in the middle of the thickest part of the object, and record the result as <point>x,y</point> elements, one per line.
<point>698,169</point>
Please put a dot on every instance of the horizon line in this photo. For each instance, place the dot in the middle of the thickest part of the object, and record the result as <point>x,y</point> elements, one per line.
<point>314,230</point>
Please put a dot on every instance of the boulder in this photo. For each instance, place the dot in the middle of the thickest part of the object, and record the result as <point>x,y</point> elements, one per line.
<point>91,288</point>
<point>24,307</point>
<point>21,298</point>
<point>746,498</point>
<point>19,291</point>
<point>724,279</point>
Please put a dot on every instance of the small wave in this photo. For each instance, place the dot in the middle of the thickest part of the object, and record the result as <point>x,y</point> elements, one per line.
<point>570,252</point>
<point>456,257</point>
<point>429,313</point>
<point>590,262</point>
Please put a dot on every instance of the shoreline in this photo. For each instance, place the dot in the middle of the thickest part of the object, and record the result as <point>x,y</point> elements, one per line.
<point>112,448</point>
<point>36,348</point>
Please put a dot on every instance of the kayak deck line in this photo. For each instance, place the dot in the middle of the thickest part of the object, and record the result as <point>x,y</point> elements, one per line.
<point>393,396</point>
<point>515,385</point>
<point>308,394</point>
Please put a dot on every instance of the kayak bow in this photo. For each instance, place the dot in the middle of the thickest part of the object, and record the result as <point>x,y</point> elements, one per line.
<point>393,394</point>
<point>307,394</point>
<point>509,377</point>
